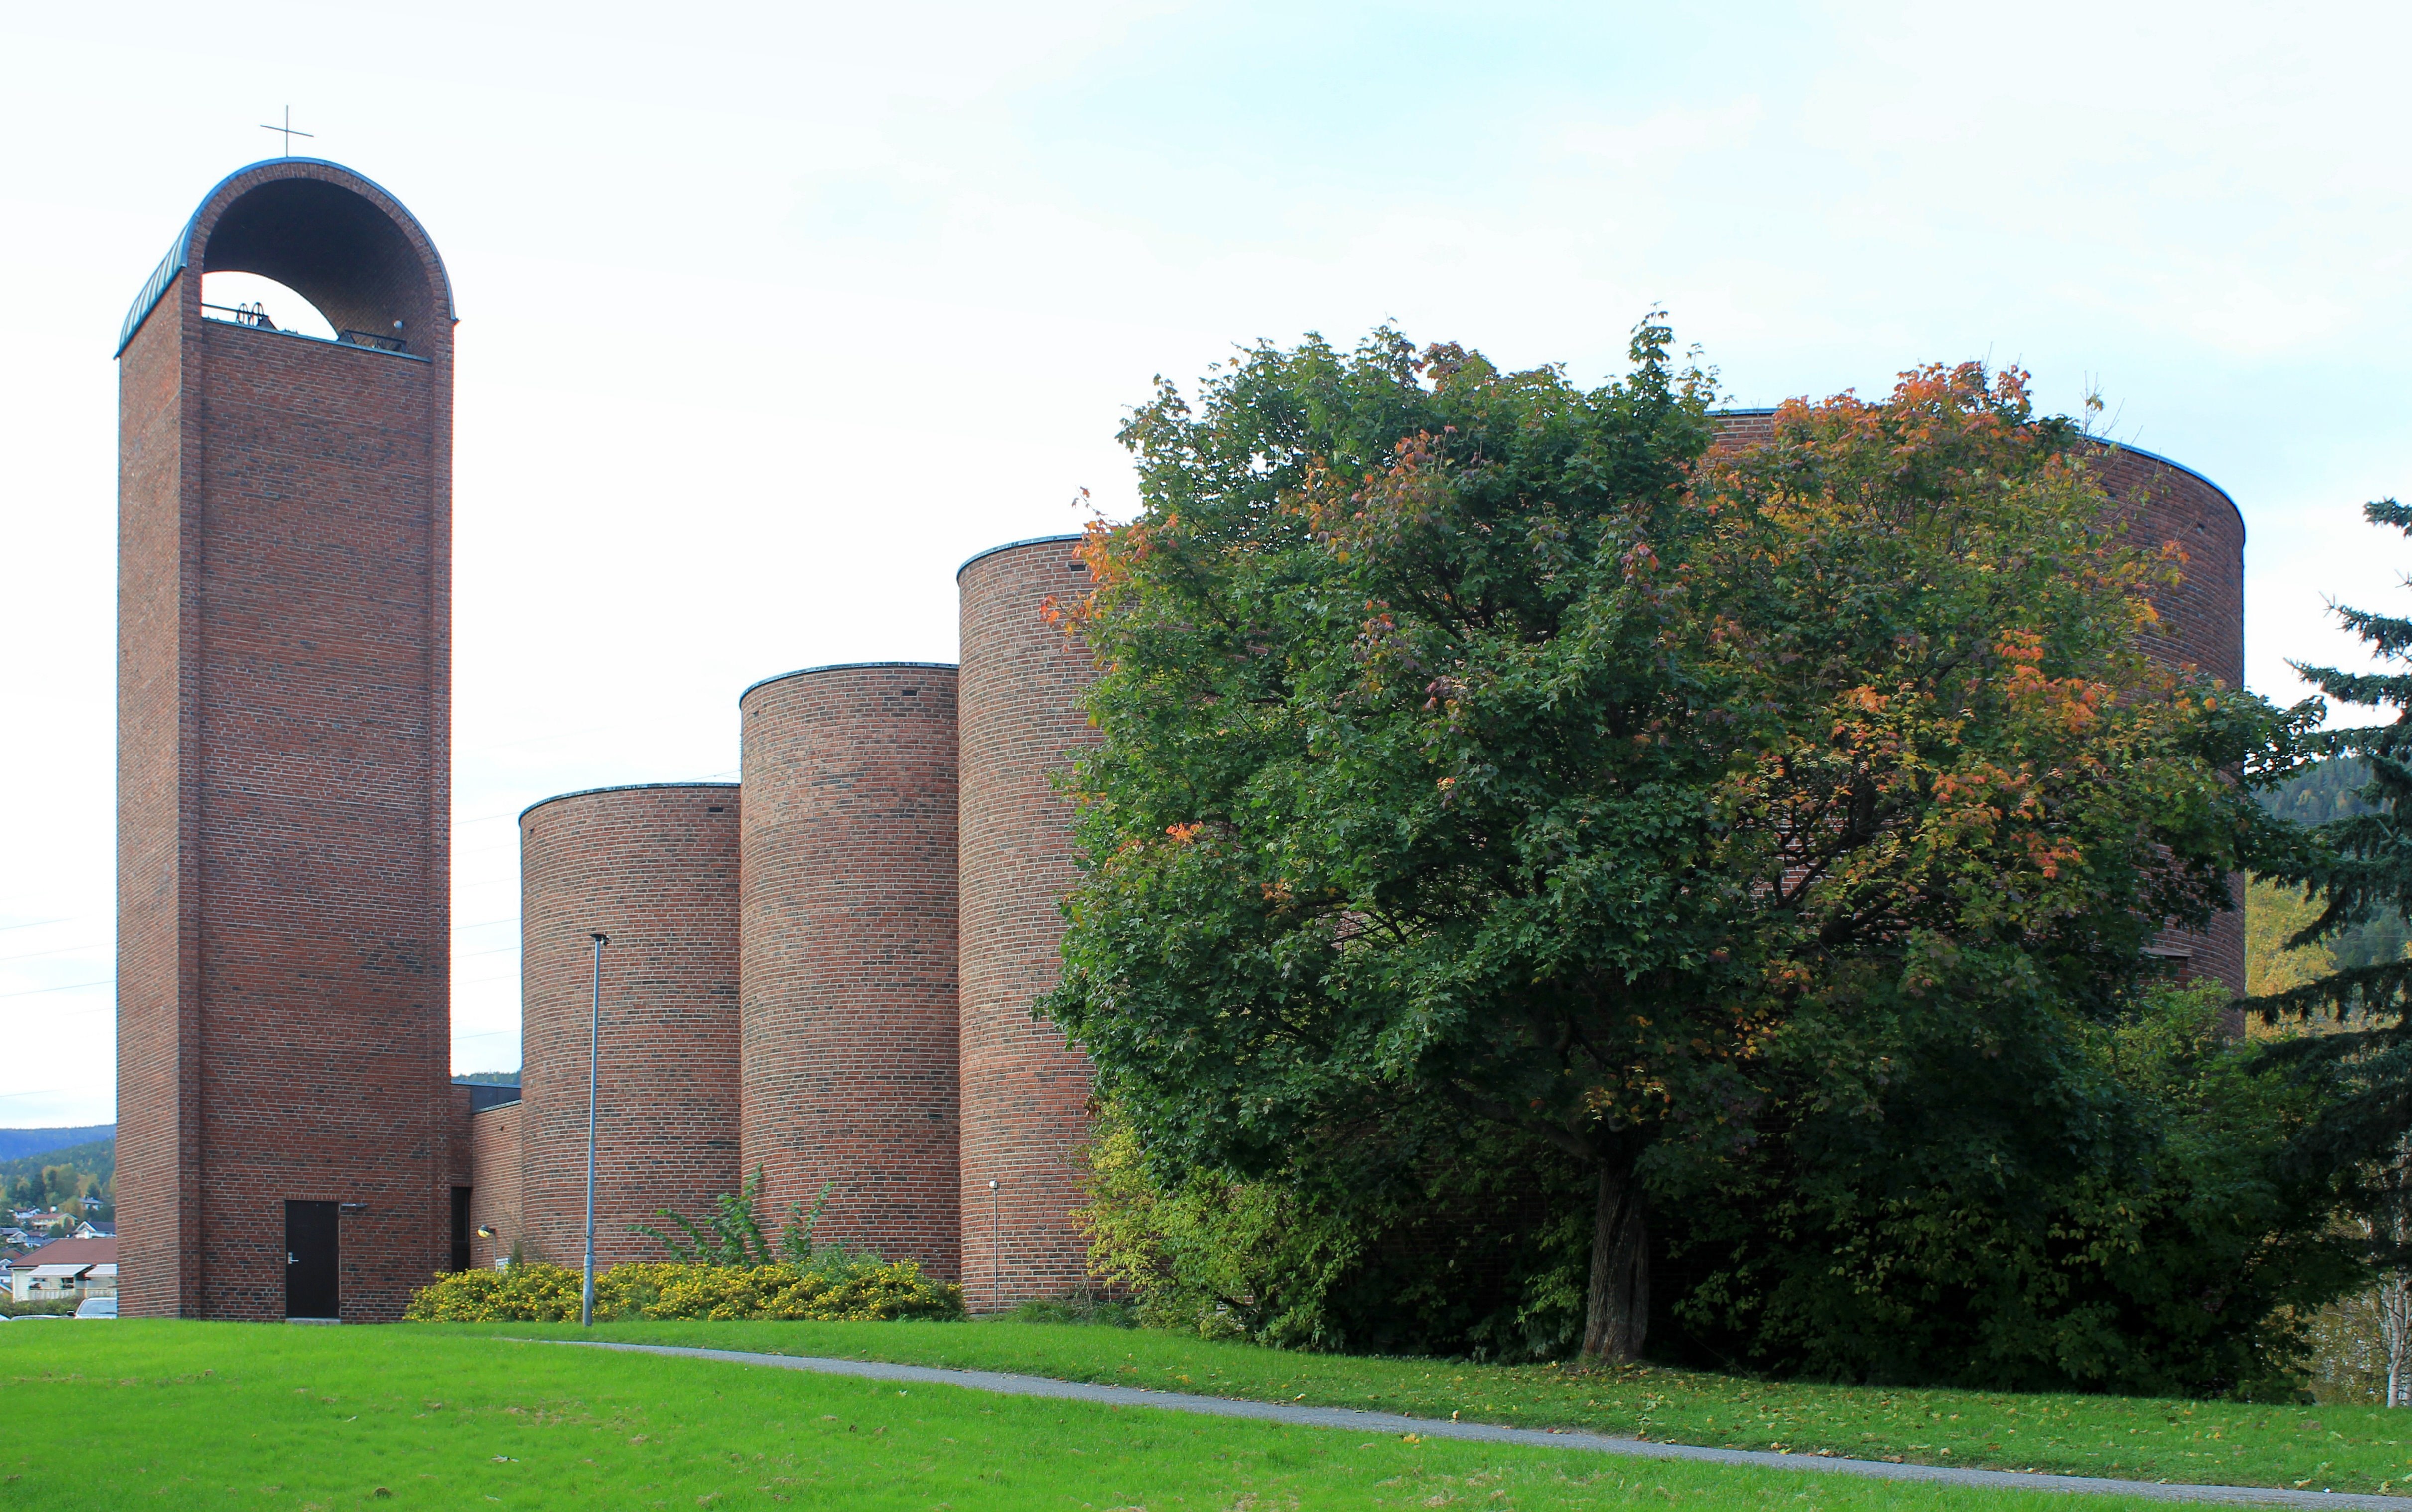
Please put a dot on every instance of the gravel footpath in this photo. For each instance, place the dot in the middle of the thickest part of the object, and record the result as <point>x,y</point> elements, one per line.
<point>1350,1421</point>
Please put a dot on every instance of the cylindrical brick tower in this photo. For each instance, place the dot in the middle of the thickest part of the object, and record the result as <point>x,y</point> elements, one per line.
<point>849,882</point>
<point>2202,619</point>
<point>656,869</point>
<point>1025,1091</point>
<point>2202,626</point>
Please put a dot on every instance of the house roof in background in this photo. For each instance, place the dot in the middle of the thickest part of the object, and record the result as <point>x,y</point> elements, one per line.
<point>74,1252</point>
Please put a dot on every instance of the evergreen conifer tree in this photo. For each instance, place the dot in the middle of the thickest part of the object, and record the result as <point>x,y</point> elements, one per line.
<point>2359,867</point>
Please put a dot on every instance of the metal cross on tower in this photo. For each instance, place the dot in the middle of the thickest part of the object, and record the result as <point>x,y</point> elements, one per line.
<point>287,131</point>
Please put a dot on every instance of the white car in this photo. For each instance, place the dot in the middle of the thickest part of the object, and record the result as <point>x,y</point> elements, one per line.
<point>96,1307</point>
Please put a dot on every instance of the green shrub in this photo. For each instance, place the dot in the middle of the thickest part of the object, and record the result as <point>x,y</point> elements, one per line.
<point>844,1289</point>
<point>2023,1200</point>
<point>64,1308</point>
<point>730,1231</point>
<point>1419,1234</point>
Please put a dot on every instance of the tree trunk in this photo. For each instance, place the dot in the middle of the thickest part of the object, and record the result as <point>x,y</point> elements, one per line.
<point>2394,1299</point>
<point>1617,1308</point>
<point>2393,1304</point>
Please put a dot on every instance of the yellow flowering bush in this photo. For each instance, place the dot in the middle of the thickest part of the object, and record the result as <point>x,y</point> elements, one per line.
<point>522,1294</point>
<point>859,1289</point>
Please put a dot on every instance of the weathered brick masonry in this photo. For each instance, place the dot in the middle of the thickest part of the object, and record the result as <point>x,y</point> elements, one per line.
<point>284,718</point>
<point>849,952</point>
<point>1025,1091</point>
<point>654,868</point>
<point>2202,619</point>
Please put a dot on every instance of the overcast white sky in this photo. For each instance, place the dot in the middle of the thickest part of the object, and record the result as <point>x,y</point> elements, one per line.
<point>773,314</point>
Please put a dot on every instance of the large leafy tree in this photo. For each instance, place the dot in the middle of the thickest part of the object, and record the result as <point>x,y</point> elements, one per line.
<point>1479,739</point>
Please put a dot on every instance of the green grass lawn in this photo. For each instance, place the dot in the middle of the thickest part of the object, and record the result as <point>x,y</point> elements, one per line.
<point>2344,1448</point>
<point>208,1414</point>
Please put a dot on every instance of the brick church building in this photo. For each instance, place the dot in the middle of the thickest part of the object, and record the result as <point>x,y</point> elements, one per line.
<point>823,970</point>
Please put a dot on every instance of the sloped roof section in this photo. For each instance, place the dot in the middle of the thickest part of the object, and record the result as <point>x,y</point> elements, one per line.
<point>79,1251</point>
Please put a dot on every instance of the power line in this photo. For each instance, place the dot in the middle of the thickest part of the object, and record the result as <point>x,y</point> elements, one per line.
<point>36,992</point>
<point>61,951</point>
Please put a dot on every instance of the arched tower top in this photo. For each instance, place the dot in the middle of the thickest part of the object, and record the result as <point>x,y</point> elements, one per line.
<point>329,234</point>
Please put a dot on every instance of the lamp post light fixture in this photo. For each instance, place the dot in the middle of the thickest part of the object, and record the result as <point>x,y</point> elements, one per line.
<point>594,1043</point>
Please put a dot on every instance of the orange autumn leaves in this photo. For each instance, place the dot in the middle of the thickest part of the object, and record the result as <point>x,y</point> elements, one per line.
<point>1931,492</point>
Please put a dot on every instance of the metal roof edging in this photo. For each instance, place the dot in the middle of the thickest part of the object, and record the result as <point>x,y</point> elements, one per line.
<point>1035,541</point>
<point>617,788</point>
<point>841,667</point>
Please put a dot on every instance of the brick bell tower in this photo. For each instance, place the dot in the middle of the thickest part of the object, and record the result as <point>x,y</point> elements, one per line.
<point>284,750</point>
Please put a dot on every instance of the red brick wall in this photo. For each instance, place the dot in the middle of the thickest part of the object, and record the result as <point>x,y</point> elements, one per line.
<point>1025,1093</point>
<point>1743,430</point>
<point>494,1156</point>
<point>284,644</point>
<point>2203,619</point>
<point>158,1014</point>
<point>849,952</point>
<point>656,869</point>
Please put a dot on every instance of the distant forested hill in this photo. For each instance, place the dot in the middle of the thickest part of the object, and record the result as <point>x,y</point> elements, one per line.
<point>95,1158</point>
<point>16,1142</point>
<point>2328,792</point>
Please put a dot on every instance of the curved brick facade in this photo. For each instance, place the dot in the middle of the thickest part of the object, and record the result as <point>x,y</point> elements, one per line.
<point>656,869</point>
<point>284,761</point>
<point>849,952</point>
<point>1026,1091</point>
<point>2202,623</point>
<point>2202,620</point>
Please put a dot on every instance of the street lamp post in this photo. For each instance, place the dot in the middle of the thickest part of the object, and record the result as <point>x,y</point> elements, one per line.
<point>993,1287</point>
<point>594,1042</point>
